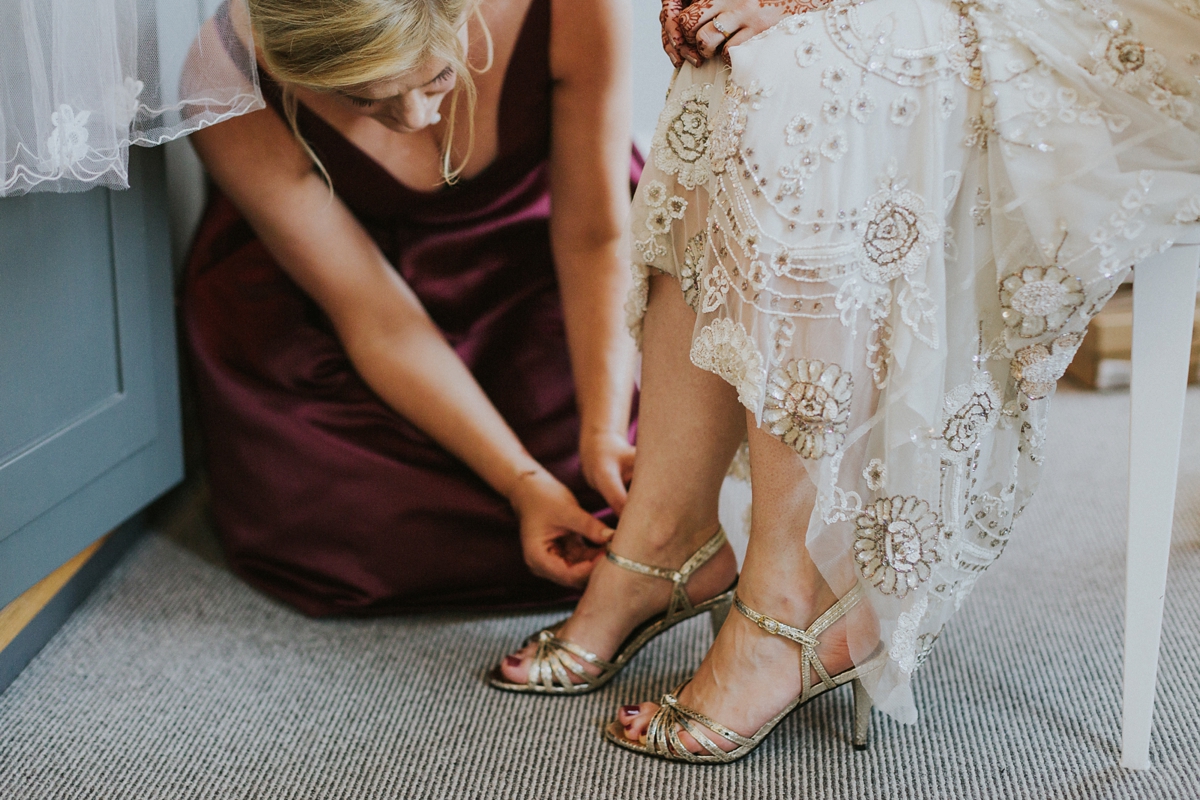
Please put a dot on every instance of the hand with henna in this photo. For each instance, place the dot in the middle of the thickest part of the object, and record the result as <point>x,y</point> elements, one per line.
<point>708,27</point>
<point>672,39</point>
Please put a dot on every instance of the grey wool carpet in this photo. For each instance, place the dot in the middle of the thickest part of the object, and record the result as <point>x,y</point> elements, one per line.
<point>177,681</point>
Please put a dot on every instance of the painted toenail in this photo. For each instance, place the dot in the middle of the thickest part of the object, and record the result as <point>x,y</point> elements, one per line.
<point>512,661</point>
<point>630,711</point>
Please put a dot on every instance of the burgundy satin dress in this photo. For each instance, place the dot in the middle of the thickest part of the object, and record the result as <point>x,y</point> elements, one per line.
<point>324,496</point>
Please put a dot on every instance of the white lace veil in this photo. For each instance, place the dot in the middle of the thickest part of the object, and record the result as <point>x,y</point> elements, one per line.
<point>85,79</point>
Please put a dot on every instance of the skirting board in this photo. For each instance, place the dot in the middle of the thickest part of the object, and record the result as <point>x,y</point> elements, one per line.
<point>39,630</point>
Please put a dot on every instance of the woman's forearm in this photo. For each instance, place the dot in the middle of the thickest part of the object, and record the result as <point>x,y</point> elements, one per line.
<point>594,284</point>
<point>414,370</point>
<point>589,171</point>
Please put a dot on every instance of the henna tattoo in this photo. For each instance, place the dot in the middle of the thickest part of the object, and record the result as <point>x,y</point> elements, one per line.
<point>689,18</point>
<point>789,7</point>
<point>768,12</point>
<point>682,19</point>
<point>670,12</point>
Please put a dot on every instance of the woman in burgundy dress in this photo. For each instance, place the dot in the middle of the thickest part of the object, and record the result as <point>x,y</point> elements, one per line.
<point>406,323</point>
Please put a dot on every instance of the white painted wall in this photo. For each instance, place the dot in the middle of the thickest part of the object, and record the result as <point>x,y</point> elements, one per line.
<point>651,71</point>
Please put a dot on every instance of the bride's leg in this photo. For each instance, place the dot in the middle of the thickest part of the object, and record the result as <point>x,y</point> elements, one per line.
<point>689,426</point>
<point>748,675</point>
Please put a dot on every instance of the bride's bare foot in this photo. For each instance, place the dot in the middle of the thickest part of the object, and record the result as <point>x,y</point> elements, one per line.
<point>617,600</point>
<point>749,676</point>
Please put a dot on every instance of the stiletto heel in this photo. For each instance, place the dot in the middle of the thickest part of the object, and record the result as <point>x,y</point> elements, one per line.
<point>716,617</point>
<point>862,715</point>
<point>558,666</point>
<point>662,735</point>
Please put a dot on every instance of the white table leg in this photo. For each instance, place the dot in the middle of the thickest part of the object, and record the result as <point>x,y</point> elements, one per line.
<point>1164,302</point>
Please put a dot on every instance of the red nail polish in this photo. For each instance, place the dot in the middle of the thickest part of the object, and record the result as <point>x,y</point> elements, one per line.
<point>630,711</point>
<point>512,661</point>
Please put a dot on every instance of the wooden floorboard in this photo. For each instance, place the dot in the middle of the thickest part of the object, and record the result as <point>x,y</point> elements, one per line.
<point>17,614</point>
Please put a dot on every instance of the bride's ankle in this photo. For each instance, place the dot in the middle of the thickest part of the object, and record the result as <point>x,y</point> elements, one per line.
<point>663,544</point>
<point>794,603</point>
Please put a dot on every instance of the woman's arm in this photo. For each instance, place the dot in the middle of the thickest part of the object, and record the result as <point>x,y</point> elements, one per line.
<point>589,173</point>
<point>387,334</point>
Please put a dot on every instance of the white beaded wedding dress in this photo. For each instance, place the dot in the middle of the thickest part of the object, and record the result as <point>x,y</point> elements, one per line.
<point>894,219</point>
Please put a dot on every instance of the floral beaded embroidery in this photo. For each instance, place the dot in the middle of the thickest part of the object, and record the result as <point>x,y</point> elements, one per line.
<point>834,146</point>
<point>808,406</point>
<point>1128,64</point>
<point>680,143</point>
<point>898,234</point>
<point>875,474</point>
<point>904,639</point>
<point>1037,368</point>
<point>807,54</point>
<point>692,268</point>
<point>1039,300</point>
<point>898,540</point>
<point>972,410</point>
<point>904,110</point>
<point>799,129</point>
<point>723,347</point>
<point>862,106</point>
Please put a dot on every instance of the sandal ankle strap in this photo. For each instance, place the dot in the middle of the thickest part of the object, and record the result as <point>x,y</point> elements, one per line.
<point>680,602</point>
<point>807,639</point>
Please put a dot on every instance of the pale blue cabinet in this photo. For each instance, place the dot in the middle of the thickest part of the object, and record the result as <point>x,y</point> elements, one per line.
<point>89,404</point>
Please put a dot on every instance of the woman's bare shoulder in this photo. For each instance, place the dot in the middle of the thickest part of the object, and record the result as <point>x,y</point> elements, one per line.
<point>220,55</point>
<point>586,37</point>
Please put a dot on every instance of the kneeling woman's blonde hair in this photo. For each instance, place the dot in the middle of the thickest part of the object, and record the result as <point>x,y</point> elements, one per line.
<point>330,45</point>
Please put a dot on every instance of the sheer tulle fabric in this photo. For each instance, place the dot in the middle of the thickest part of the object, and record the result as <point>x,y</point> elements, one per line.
<point>85,79</point>
<point>894,220</point>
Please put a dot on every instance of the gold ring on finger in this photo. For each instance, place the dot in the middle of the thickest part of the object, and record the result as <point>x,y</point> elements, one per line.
<point>716,23</point>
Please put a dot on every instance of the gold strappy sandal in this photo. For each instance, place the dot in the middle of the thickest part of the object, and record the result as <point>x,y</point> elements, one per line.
<point>556,660</point>
<point>662,735</point>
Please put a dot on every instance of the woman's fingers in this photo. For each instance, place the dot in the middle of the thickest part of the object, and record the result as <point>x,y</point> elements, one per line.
<point>611,487</point>
<point>560,541</point>
<point>692,18</point>
<point>707,26</point>
<point>607,461</point>
<point>612,474</point>
<point>590,528</point>
<point>672,17</point>
<point>743,35</point>
<point>562,558</point>
<point>606,477</point>
<point>569,559</point>
<point>626,461</point>
<point>672,39</point>
<point>716,34</point>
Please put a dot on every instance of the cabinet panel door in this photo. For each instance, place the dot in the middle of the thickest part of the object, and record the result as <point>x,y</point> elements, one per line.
<point>87,367</point>
<point>77,395</point>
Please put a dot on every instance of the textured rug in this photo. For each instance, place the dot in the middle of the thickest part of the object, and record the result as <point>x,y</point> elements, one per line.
<point>177,681</point>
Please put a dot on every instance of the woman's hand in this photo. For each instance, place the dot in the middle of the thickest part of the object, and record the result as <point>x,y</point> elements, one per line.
<point>560,540</point>
<point>707,27</point>
<point>607,460</point>
<point>672,38</point>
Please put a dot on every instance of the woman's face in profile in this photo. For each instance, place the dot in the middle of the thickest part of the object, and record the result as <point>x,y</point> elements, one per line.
<point>408,102</point>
